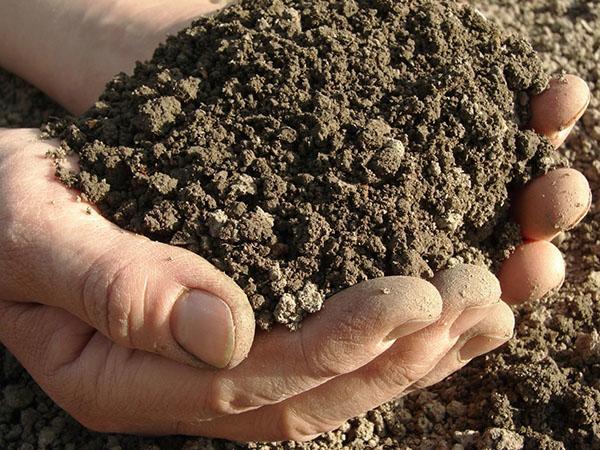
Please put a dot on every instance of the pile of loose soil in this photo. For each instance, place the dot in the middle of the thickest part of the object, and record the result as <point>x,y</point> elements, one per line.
<point>306,146</point>
<point>539,392</point>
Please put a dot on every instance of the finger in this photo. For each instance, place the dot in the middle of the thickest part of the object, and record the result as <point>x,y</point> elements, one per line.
<point>490,333</point>
<point>555,111</point>
<point>139,293</point>
<point>533,270</point>
<point>42,338</point>
<point>355,326</point>
<point>552,203</point>
<point>388,316</point>
<point>49,342</point>
<point>140,403</point>
<point>469,293</point>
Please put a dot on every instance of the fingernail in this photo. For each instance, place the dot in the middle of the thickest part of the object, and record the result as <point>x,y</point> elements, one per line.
<point>410,327</point>
<point>480,345</point>
<point>203,325</point>
<point>468,318</point>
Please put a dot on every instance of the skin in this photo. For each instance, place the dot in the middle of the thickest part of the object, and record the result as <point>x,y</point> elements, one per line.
<point>90,310</point>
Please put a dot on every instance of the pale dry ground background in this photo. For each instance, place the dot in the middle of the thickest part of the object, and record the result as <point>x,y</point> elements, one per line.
<point>541,391</point>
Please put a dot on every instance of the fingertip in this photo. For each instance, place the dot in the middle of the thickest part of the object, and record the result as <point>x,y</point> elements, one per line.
<point>193,312</point>
<point>211,329</point>
<point>243,322</point>
<point>468,291</point>
<point>499,322</point>
<point>420,302</point>
<point>554,202</point>
<point>468,285</point>
<point>533,270</point>
<point>419,298</point>
<point>195,273</point>
<point>491,332</point>
<point>555,111</point>
<point>394,305</point>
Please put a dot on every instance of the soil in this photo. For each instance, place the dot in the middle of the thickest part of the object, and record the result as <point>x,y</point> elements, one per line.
<point>306,146</point>
<point>541,391</point>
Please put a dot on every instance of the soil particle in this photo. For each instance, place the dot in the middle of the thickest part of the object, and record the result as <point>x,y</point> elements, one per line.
<point>501,439</point>
<point>157,115</point>
<point>331,142</point>
<point>17,397</point>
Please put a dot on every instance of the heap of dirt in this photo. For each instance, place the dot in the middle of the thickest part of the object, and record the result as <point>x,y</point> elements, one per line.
<point>305,146</point>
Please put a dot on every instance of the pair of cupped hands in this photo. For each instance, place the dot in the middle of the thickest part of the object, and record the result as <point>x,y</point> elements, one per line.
<point>131,335</point>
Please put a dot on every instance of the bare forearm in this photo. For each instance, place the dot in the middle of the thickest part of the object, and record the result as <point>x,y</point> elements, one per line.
<point>71,48</point>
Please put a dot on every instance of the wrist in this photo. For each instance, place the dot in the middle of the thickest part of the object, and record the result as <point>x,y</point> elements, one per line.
<point>70,49</point>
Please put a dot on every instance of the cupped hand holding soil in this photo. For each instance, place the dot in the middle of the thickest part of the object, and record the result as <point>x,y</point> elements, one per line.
<point>102,295</point>
<point>302,148</point>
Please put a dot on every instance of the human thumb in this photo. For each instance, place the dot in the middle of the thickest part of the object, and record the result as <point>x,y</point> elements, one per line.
<point>142,294</point>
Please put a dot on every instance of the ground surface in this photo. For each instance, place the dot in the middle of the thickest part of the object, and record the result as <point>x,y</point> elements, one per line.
<point>540,391</point>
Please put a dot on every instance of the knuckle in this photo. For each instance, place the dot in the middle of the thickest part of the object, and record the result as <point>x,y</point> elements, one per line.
<point>352,333</point>
<point>17,252</point>
<point>292,427</point>
<point>393,379</point>
<point>12,237</point>
<point>19,215</point>
<point>320,366</point>
<point>108,294</point>
<point>322,361</point>
<point>224,399</point>
<point>81,404</point>
<point>217,403</point>
<point>13,189</point>
<point>98,409</point>
<point>13,229</point>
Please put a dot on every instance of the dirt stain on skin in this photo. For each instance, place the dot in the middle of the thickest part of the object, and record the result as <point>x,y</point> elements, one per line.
<point>304,147</point>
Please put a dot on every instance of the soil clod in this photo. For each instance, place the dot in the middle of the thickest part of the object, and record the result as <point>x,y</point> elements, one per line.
<point>325,142</point>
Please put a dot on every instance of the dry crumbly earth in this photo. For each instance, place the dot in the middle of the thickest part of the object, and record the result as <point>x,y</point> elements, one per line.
<point>278,140</point>
<point>540,391</point>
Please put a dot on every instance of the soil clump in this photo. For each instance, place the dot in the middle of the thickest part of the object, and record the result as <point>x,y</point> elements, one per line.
<point>306,146</point>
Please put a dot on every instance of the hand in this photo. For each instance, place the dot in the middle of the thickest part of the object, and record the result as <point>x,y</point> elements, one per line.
<point>552,203</point>
<point>91,41</point>
<point>99,317</point>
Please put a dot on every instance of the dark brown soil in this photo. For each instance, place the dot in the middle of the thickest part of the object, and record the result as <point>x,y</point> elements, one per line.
<point>539,392</point>
<point>306,146</point>
<point>22,105</point>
